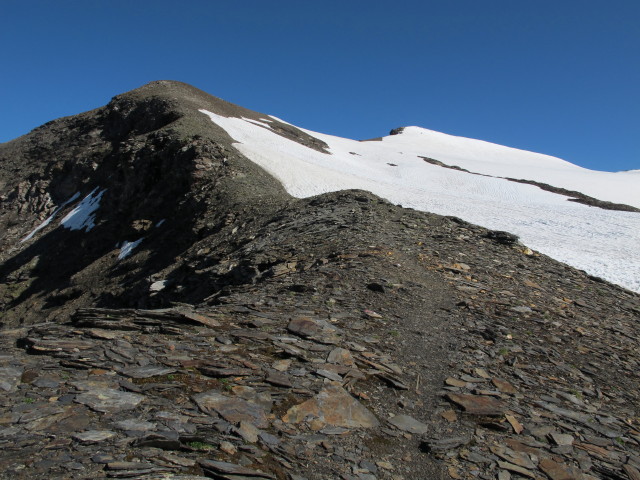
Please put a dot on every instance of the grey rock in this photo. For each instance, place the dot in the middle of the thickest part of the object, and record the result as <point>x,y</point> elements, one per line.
<point>94,436</point>
<point>135,425</point>
<point>232,409</point>
<point>10,378</point>
<point>147,371</point>
<point>109,400</point>
<point>238,471</point>
<point>408,424</point>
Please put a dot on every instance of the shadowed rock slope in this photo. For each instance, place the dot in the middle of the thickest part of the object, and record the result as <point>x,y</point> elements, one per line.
<point>253,335</point>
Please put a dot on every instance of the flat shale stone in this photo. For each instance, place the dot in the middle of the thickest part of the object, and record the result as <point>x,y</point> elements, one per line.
<point>444,444</point>
<point>147,371</point>
<point>278,379</point>
<point>478,404</point>
<point>561,438</point>
<point>557,471</point>
<point>10,378</point>
<point>408,424</point>
<point>632,472</point>
<point>176,476</point>
<point>516,469</point>
<point>333,406</point>
<point>504,386</point>
<point>341,356</point>
<point>133,424</point>
<point>128,465</point>
<point>232,409</point>
<point>309,327</point>
<point>248,432</point>
<point>94,436</point>
<point>224,469</point>
<point>109,400</point>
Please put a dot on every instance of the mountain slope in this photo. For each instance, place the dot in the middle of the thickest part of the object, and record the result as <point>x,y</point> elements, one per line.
<point>602,242</point>
<point>179,315</point>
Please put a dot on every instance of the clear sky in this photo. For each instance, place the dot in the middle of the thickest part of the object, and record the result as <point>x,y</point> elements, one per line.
<point>559,77</point>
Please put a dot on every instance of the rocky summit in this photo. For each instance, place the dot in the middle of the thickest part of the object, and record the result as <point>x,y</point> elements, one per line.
<point>170,312</point>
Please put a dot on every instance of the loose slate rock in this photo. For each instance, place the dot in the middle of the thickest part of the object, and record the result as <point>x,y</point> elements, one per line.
<point>443,444</point>
<point>278,379</point>
<point>108,400</point>
<point>408,424</point>
<point>135,425</point>
<point>557,471</point>
<point>341,356</point>
<point>304,326</point>
<point>94,436</point>
<point>10,378</point>
<point>171,476</point>
<point>232,409</point>
<point>147,371</point>
<point>333,406</point>
<point>478,404</point>
<point>223,469</point>
<point>504,386</point>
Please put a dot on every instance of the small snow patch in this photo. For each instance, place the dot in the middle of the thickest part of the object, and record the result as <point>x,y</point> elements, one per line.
<point>83,215</point>
<point>127,247</point>
<point>158,286</point>
<point>161,222</point>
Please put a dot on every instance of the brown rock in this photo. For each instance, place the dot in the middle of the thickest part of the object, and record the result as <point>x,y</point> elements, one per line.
<point>198,318</point>
<point>238,471</point>
<point>515,468</point>
<point>449,415</point>
<point>341,356</point>
<point>632,472</point>
<point>333,406</point>
<point>504,386</point>
<point>304,326</point>
<point>281,365</point>
<point>454,382</point>
<point>557,471</point>
<point>248,432</point>
<point>515,424</point>
<point>278,379</point>
<point>478,404</point>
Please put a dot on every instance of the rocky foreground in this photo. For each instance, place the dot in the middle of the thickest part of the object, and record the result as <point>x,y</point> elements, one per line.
<point>437,350</point>
<point>249,335</point>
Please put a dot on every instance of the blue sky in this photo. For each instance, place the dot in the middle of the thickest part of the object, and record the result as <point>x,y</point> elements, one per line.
<point>555,77</point>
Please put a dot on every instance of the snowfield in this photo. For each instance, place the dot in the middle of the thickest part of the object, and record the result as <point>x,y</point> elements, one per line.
<point>601,242</point>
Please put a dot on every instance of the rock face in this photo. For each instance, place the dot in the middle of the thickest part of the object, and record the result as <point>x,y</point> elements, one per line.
<point>200,323</point>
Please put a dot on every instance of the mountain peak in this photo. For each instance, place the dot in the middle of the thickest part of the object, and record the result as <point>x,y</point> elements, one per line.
<point>185,279</point>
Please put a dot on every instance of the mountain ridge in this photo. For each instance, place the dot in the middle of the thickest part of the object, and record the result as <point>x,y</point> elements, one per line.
<point>210,325</point>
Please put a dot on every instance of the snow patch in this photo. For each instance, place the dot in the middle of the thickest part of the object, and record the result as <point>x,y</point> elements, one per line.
<point>83,215</point>
<point>127,247</point>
